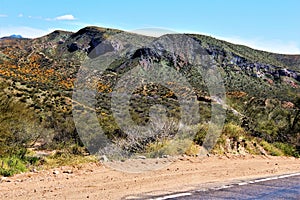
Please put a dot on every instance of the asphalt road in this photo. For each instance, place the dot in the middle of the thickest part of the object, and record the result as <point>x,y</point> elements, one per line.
<point>281,187</point>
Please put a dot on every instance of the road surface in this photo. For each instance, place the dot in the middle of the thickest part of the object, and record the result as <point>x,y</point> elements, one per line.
<point>279,187</point>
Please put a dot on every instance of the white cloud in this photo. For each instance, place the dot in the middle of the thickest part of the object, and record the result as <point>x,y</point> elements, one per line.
<point>275,46</point>
<point>65,17</point>
<point>154,32</point>
<point>3,15</point>
<point>259,43</point>
<point>20,15</point>
<point>26,32</point>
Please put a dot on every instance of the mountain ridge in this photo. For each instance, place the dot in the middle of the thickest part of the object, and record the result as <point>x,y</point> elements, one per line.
<point>262,87</point>
<point>13,36</point>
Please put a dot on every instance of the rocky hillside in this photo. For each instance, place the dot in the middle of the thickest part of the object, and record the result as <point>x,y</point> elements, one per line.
<point>37,77</point>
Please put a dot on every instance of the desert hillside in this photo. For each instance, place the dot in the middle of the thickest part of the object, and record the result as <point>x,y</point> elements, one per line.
<point>38,77</point>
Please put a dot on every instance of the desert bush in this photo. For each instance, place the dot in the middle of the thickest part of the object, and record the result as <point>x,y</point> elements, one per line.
<point>287,149</point>
<point>233,131</point>
<point>171,147</point>
<point>63,158</point>
<point>201,133</point>
<point>12,165</point>
<point>18,126</point>
<point>271,149</point>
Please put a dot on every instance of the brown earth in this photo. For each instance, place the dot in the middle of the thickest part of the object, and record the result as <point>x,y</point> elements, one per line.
<point>96,181</point>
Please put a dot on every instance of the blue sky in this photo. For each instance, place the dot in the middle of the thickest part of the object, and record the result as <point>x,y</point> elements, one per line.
<point>271,25</point>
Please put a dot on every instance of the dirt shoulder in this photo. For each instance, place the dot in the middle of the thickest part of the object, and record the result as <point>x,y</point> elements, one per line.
<point>96,181</point>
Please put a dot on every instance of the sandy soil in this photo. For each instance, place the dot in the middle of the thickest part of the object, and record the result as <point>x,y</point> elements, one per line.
<point>96,181</point>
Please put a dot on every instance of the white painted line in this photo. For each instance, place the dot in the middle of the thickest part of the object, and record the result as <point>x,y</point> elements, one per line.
<point>202,190</point>
<point>288,175</point>
<point>222,187</point>
<point>265,179</point>
<point>174,196</point>
<point>227,186</point>
<point>268,179</point>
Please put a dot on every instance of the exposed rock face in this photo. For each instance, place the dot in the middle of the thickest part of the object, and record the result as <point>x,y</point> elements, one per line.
<point>41,73</point>
<point>73,47</point>
<point>252,68</point>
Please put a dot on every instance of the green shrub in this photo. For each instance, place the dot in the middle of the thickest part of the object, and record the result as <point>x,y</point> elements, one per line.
<point>61,158</point>
<point>271,149</point>
<point>171,147</point>
<point>11,165</point>
<point>287,149</point>
<point>201,134</point>
<point>233,131</point>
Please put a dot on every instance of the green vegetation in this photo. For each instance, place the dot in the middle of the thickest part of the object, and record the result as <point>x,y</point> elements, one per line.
<point>12,165</point>
<point>287,149</point>
<point>37,79</point>
<point>21,128</point>
<point>172,148</point>
<point>271,149</point>
<point>62,158</point>
<point>249,53</point>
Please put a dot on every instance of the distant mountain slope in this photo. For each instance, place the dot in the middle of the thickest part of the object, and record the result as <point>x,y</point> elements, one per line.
<point>16,36</point>
<point>55,49</point>
<point>291,61</point>
<point>262,87</point>
<point>12,37</point>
